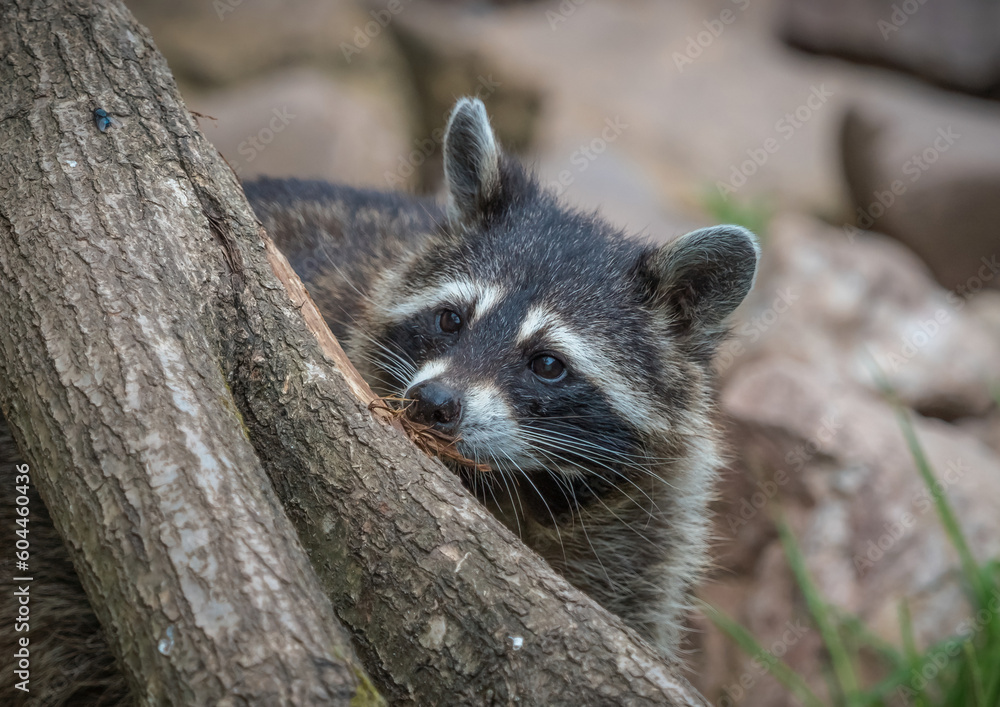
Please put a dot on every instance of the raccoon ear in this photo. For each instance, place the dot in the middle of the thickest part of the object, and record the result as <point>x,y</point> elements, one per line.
<point>702,276</point>
<point>471,161</point>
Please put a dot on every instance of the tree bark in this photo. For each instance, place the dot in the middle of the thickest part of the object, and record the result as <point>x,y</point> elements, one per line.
<point>159,356</point>
<point>111,283</point>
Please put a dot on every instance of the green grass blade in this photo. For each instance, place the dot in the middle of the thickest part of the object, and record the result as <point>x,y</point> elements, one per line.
<point>976,674</point>
<point>860,633</point>
<point>840,662</point>
<point>906,629</point>
<point>777,667</point>
<point>913,658</point>
<point>755,215</point>
<point>970,568</point>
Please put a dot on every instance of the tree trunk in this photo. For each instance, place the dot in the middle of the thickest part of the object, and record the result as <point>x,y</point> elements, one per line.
<point>115,295</point>
<point>159,357</point>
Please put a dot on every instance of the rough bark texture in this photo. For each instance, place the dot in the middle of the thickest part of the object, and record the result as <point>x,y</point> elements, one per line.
<point>157,351</point>
<point>112,379</point>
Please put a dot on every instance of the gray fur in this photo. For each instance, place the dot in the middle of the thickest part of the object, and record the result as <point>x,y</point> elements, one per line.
<point>607,474</point>
<point>471,161</point>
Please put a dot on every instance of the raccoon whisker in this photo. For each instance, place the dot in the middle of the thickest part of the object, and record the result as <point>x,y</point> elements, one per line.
<point>583,478</point>
<point>384,360</point>
<point>387,365</point>
<point>322,250</point>
<point>394,365</point>
<point>642,455</point>
<point>510,493</point>
<point>541,443</point>
<point>588,450</point>
<point>529,419</point>
<point>388,377</point>
<point>545,503</point>
<point>489,486</point>
<point>515,501</point>
<point>472,472</point>
<point>560,483</point>
<point>400,357</point>
<point>613,453</point>
<point>383,384</point>
<point>572,505</point>
<point>571,464</point>
<point>488,481</point>
<point>586,536</point>
<point>569,444</point>
<point>617,517</point>
<point>474,476</point>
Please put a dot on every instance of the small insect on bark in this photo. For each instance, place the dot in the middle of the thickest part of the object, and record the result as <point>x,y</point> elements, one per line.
<point>105,121</point>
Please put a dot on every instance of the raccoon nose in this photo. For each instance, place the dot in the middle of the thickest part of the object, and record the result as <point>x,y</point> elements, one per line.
<point>435,404</point>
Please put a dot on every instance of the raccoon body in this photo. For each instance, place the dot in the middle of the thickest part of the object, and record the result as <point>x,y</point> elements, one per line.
<point>573,362</point>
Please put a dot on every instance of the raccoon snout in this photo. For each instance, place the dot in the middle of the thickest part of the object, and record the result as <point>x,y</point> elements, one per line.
<point>435,404</point>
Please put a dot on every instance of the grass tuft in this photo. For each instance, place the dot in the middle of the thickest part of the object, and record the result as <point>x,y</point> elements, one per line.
<point>962,670</point>
<point>754,215</point>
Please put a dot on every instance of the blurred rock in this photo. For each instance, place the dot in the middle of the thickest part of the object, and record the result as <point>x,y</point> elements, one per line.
<point>811,433</point>
<point>298,88</point>
<point>218,42</point>
<point>442,71</point>
<point>953,43</point>
<point>303,123</point>
<point>926,170</point>
<point>985,429</point>
<point>846,301</point>
<point>701,87</point>
<point>835,457</point>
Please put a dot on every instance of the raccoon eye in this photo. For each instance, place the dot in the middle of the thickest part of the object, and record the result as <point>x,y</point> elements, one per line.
<point>547,367</point>
<point>449,321</point>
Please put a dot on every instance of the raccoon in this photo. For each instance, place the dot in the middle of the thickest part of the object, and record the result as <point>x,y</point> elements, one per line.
<point>574,362</point>
<point>571,364</point>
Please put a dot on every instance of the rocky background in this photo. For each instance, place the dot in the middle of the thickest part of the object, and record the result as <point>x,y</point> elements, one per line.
<point>861,138</point>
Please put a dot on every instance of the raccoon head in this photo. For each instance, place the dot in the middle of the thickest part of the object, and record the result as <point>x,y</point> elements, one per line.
<point>541,337</point>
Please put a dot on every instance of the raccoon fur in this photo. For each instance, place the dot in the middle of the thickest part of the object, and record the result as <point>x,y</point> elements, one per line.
<point>574,362</point>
